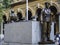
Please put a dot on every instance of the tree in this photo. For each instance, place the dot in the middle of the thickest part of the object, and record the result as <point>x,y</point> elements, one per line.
<point>6,3</point>
<point>3,6</point>
<point>1,12</point>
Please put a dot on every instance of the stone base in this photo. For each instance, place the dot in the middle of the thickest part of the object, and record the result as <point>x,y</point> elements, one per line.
<point>25,44</point>
<point>21,44</point>
<point>47,42</point>
<point>22,32</point>
<point>17,44</point>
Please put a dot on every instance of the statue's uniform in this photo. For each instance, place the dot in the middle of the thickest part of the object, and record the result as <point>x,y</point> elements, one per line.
<point>46,13</point>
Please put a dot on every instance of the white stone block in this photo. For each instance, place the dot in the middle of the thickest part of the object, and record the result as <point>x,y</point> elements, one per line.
<point>21,44</point>
<point>22,32</point>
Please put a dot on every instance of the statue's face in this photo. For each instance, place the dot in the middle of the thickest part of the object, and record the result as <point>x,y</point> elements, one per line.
<point>47,5</point>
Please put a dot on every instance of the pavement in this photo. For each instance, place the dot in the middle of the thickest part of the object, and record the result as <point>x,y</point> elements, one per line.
<point>2,43</point>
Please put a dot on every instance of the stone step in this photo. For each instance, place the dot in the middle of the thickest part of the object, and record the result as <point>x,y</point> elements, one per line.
<point>25,44</point>
<point>47,42</point>
<point>5,44</point>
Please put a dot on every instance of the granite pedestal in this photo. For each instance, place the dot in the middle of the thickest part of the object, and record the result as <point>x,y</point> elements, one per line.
<point>17,33</point>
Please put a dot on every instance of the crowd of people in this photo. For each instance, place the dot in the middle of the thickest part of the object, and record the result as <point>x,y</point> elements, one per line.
<point>13,17</point>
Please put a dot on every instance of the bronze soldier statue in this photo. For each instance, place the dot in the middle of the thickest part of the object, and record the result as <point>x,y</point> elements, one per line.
<point>46,21</point>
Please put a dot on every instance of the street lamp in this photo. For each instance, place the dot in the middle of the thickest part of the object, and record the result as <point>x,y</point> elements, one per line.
<point>27,10</point>
<point>38,5</point>
<point>51,2</point>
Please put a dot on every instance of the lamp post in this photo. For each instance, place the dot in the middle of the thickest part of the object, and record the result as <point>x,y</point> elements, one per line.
<point>51,2</point>
<point>27,10</point>
<point>59,22</point>
<point>38,5</point>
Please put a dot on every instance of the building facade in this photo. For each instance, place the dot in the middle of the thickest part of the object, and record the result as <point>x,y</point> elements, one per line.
<point>33,6</point>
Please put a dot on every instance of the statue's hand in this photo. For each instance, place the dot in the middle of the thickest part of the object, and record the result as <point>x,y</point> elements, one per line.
<point>41,22</point>
<point>51,23</point>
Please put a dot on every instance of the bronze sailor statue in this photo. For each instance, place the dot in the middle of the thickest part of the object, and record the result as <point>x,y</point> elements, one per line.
<point>46,21</point>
